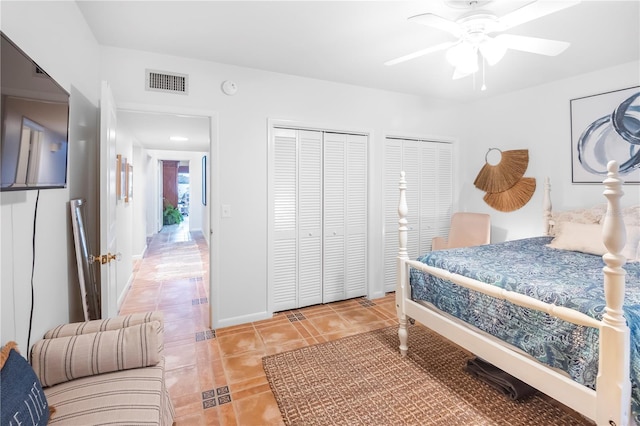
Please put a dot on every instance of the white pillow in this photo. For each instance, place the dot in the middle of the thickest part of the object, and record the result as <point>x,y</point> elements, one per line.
<point>587,238</point>
<point>582,237</point>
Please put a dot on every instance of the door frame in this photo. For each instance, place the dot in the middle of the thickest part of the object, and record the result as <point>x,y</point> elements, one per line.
<point>212,208</point>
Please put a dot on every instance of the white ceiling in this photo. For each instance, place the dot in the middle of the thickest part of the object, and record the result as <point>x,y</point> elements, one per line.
<point>154,130</point>
<point>349,41</point>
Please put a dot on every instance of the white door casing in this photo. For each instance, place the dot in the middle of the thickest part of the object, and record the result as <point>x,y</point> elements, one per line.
<point>108,234</point>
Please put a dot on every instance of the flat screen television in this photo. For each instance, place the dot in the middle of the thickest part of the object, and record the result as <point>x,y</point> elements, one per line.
<point>35,124</point>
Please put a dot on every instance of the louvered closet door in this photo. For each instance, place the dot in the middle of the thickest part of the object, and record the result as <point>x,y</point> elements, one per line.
<point>428,167</point>
<point>318,252</point>
<point>334,217</point>
<point>356,215</point>
<point>391,175</point>
<point>284,274</point>
<point>445,188</point>
<point>436,195</point>
<point>429,193</point>
<point>310,218</point>
<point>411,166</point>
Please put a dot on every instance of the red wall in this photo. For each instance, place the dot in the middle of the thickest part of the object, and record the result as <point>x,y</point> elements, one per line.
<point>170,182</point>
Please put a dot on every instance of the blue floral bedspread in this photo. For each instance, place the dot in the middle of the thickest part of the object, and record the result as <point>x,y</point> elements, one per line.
<point>527,266</point>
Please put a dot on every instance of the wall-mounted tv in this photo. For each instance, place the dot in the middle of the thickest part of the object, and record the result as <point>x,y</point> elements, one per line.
<point>34,124</point>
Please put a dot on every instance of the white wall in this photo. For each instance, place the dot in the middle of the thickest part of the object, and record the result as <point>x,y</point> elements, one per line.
<point>241,175</point>
<point>537,119</point>
<point>124,220</point>
<point>138,202</point>
<point>56,36</point>
<point>83,177</point>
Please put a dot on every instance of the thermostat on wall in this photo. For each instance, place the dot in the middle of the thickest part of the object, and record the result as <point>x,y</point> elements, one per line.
<point>229,87</point>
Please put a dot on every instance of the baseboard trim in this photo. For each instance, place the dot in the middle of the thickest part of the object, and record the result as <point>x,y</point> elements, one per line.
<point>377,295</point>
<point>227,322</point>
<point>122,295</point>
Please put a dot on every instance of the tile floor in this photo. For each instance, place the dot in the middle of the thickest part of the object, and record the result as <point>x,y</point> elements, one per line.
<point>215,377</point>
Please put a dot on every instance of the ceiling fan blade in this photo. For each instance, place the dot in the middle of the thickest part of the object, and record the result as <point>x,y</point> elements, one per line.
<point>532,11</point>
<point>435,21</point>
<point>541,46</point>
<point>458,74</point>
<point>419,53</point>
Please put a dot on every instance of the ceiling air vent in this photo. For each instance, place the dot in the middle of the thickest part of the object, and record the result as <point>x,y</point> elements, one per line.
<point>167,82</point>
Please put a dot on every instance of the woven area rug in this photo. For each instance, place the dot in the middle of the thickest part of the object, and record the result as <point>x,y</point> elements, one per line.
<point>363,380</point>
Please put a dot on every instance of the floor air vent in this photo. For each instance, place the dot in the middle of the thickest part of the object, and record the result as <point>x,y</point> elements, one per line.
<point>167,82</point>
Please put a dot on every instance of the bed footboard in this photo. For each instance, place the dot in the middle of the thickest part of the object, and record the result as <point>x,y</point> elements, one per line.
<point>610,404</point>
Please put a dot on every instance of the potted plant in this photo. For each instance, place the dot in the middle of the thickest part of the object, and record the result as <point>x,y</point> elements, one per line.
<point>171,215</point>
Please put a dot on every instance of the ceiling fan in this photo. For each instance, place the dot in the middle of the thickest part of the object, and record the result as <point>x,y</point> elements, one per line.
<point>475,35</point>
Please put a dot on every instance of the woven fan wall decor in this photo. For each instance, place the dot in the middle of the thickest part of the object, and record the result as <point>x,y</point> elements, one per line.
<point>506,188</point>
<point>513,198</point>
<point>505,174</point>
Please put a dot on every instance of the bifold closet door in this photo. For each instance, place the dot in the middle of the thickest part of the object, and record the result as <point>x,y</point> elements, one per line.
<point>318,210</point>
<point>400,155</point>
<point>296,249</point>
<point>391,174</point>
<point>356,273</point>
<point>310,212</point>
<point>345,216</point>
<point>436,192</point>
<point>428,168</point>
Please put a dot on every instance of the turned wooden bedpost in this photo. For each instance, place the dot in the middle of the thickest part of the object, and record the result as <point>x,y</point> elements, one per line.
<point>546,205</point>
<point>401,269</point>
<point>613,384</point>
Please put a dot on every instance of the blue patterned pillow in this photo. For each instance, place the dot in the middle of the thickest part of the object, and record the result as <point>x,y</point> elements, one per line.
<point>21,397</point>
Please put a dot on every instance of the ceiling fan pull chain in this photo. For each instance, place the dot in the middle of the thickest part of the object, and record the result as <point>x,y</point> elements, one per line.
<point>484,86</point>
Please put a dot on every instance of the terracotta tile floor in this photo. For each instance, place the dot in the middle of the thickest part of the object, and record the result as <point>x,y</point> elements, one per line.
<point>215,377</point>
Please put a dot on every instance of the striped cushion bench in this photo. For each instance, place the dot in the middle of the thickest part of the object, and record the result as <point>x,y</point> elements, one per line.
<point>137,396</point>
<point>108,371</point>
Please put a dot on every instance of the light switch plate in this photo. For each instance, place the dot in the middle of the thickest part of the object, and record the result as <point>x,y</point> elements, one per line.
<point>226,210</point>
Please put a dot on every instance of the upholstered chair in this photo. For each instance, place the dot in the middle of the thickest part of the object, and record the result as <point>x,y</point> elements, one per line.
<point>467,229</point>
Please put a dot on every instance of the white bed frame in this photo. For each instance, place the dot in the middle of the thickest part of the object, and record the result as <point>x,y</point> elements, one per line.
<point>610,404</point>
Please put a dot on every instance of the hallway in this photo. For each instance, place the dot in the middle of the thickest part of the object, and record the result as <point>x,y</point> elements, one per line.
<point>216,377</point>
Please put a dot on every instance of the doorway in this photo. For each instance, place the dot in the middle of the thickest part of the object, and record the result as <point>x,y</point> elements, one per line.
<point>187,156</point>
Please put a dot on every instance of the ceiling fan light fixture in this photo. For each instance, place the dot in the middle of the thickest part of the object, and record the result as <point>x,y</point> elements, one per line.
<point>474,29</point>
<point>493,50</point>
<point>464,57</point>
